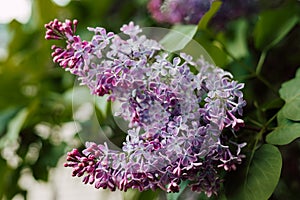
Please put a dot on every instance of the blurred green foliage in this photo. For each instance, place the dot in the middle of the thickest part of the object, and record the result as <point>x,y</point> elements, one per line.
<point>262,51</point>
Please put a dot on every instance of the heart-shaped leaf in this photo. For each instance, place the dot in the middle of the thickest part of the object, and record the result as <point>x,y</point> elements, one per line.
<point>286,132</point>
<point>262,175</point>
<point>178,37</point>
<point>290,92</point>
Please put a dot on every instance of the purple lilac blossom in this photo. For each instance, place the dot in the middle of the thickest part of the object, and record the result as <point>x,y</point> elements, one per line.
<point>191,11</point>
<point>176,117</point>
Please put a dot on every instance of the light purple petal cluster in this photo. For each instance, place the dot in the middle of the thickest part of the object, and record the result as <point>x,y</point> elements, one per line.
<point>176,116</point>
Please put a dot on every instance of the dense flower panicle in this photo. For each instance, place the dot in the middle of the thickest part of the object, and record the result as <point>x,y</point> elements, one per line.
<point>176,116</point>
<point>191,11</point>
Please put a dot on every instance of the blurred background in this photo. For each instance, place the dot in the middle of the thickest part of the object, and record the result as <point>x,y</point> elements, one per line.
<point>37,107</point>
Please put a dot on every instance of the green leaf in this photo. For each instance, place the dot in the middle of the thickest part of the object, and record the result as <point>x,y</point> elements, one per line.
<point>78,95</point>
<point>262,175</point>
<point>3,173</point>
<point>9,180</point>
<point>209,14</point>
<point>291,109</point>
<point>273,104</point>
<point>273,26</point>
<point>236,38</point>
<point>197,51</point>
<point>288,128</point>
<point>290,92</point>
<point>175,196</point>
<point>14,128</point>
<point>148,195</point>
<point>102,104</point>
<point>298,73</point>
<point>45,11</point>
<point>133,194</point>
<point>48,158</point>
<point>213,49</point>
<point>5,117</point>
<point>285,133</point>
<point>220,196</point>
<point>178,37</point>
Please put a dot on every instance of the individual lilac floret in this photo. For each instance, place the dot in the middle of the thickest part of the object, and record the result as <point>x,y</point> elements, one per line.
<point>176,117</point>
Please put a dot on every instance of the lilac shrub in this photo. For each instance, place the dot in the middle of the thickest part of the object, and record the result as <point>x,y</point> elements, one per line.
<point>176,117</point>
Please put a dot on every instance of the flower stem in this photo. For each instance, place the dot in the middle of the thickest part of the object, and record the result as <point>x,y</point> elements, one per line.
<point>250,70</point>
<point>257,139</point>
<point>261,62</point>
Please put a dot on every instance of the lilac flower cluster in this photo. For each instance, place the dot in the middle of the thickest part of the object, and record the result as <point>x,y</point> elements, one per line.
<point>191,11</point>
<point>176,116</point>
